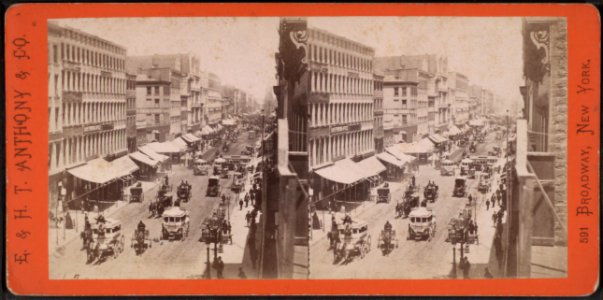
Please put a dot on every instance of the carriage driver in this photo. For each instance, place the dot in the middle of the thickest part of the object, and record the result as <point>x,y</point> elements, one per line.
<point>388,226</point>
<point>141,226</point>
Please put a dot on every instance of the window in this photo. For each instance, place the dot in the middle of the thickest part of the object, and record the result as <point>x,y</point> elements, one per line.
<point>403,103</point>
<point>149,91</point>
<point>404,91</point>
<point>156,102</point>
<point>157,118</point>
<point>404,119</point>
<point>55,53</point>
<point>395,91</point>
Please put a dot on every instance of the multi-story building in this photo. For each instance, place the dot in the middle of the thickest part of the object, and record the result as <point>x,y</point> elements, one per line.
<point>131,112</point>
<point>536,204</point>
<point>87,100</point>
<point>476,96</point>
<point>341,98</point>
<point>414,90</point>
<point>458,88</point>
<point>153,105</point>
<point>378,112</point>
<point>186,103</point>
<point>400,92</point>
<point>213,108</point>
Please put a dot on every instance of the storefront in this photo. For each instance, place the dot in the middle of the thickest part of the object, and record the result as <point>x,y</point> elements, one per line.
<point>341,184</point>
<point>101,183</point>
<point>148,167</point>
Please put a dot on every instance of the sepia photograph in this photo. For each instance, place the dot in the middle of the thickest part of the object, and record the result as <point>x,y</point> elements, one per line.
<point>307,148</point>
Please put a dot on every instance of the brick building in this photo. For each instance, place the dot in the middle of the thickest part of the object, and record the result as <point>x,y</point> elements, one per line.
<point>537,198</point>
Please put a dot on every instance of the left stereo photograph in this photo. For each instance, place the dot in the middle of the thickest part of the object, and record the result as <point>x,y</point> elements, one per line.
<point>162,149</point>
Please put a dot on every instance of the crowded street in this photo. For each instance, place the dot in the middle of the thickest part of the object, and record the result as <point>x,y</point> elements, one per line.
<point>413,259</point>
<point>164,258</point>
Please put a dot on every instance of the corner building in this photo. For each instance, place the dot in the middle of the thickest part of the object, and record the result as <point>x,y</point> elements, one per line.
<point>341,98</point>
<point>87,100</point>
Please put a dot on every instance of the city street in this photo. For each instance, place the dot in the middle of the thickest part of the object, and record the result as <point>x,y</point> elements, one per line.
<point>166,259</point>
<point>412,259</point>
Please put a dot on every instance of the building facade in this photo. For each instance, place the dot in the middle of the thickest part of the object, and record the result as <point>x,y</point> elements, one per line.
<point>341,98</point>
<point>378,113</point>
<point>87,100</point>
<point>458,90</point>
<point>131,112</point>
<point>153,105</point>
<point>213,107</point>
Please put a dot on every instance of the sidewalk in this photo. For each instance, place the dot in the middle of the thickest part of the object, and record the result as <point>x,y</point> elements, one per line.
<point>59,237</point>
<point>233,254</point>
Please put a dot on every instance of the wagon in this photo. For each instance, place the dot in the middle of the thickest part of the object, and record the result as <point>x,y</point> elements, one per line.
<point>355,241</point>
<point>136,193</point>
<point>387,240</point>
<point>175,224</point>
<point>107,240</point>
<point>213,186</point>
<point>140,241</point>
<point>422,224</point>
<point>383,194</point>
<point>459,187</point>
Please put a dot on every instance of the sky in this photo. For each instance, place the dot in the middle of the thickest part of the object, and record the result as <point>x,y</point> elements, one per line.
<point>241,49</point>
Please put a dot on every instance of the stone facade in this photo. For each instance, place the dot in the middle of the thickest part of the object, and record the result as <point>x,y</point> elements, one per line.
<point>558,101</point>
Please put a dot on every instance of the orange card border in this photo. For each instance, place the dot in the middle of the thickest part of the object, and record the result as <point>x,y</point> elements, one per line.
<point>29,21</point>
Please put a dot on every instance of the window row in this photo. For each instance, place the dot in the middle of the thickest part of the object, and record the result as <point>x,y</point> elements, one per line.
<point>339,42</point>
<point>75,150</point>
<point>90,83</point>
<point>339,113</point>
<point>72,114</point>
<point>85,56</point>
<point>91,40</point>
<point>340,59</point>
<point>412,89</point>
<point>324,149</point>
<point>333,83</point>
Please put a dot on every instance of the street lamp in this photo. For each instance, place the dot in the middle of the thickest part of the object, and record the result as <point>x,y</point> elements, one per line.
<point>211,235</point>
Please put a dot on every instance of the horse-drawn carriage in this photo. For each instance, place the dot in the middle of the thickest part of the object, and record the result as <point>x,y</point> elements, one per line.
<point>140,239</point>
<point>472,147</point>
<point>431,192</point>
<point>459,228</point>
<point>175,224</point>
<point>162,200</point>
<point>351,239</point>
<point>460,187</point>
<point>484,183</point>
<point>237,182</point>
<point>136,193</point>
<point>102,239</point>
<point>387,239</point>
<point>410,200</point>
<point>226,147</point>
<point>216,228</point>
<point>213,186</point>
<point>422,224</point>
<point>184,192</point>
<point>383,194</point>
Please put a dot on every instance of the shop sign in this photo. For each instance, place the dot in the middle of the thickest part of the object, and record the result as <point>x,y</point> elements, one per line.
<point>345,128</point>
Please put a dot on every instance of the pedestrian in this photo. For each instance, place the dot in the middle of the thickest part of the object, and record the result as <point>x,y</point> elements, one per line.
<point>219,266</point>
<point>242,273</point>
<point>494,217</point>
<point>246,202</point>
<point>470,198</point>
<point>240,204</point>
<point>247,218</point>
<point>487,204</point>
<point>466,267</point>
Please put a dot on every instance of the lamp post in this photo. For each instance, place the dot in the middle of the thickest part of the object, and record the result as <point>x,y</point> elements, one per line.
<point>212,237</point>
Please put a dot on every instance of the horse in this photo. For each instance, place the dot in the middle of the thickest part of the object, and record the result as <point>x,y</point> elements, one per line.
<point>333,237</point>
<point>86,236</point>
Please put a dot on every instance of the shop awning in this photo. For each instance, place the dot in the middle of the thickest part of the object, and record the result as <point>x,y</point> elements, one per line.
<point>144,159</point>
<point>390,159</point>
<point>437,139</point>
<point>228,122</point>
<point>397,151</point>
<point>453,130</point>
<point>180,143</point>
<point>124,166</point>
<point>198,133</point>
<point>152,154</point>
<point>190,138</point>
<point>372,166</point>
<point>101,171</point>
<point>165,147</point>
<point>343,171</point>
<point>206,130</point>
